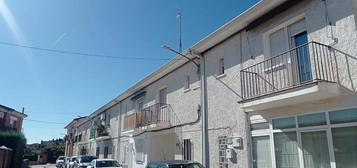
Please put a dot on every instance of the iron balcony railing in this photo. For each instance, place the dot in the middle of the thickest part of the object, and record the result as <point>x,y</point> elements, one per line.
<point>154,114</point>
<point>308,63</point>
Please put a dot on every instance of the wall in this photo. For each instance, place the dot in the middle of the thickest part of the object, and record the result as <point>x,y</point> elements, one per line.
<point>225,115</point>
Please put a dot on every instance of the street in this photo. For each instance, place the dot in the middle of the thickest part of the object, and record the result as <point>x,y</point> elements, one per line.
<point>44,166</point>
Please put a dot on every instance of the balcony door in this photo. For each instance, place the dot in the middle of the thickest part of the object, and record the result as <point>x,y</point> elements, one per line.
<point>302,57</point>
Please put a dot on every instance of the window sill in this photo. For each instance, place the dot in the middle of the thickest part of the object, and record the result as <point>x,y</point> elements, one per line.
<point>220,76</point>
<point>275,68</point>
<point>196,87</point>
<point>187,90</point>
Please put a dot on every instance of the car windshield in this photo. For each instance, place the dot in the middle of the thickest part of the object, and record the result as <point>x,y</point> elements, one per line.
<point>190,165</point>
<point>73,159</point>
<point>61,158</point>
<point>85,159</point>
<point>107,163</point>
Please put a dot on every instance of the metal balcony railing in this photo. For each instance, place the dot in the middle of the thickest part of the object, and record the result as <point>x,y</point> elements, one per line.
<point>308,63</point>
<point>154,114</point>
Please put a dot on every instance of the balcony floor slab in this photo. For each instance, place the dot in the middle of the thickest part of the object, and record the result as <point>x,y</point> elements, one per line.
<point>308,93</point>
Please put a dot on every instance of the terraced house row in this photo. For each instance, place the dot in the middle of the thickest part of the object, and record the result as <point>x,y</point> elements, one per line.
<point>276,87</point>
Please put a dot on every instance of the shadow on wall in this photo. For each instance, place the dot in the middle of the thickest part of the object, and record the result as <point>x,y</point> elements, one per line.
<point>348,76</point>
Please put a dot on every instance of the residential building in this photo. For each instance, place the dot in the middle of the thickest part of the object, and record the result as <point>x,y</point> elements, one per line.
<point>280,89</point>
<point>71,137</point>
<point>11,119</point>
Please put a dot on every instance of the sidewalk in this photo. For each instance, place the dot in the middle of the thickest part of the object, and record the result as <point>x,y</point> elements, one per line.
<point>44,166</point>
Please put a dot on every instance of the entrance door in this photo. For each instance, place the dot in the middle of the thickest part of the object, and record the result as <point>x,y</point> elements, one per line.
<point>315,149</point>
<point>303,57</point>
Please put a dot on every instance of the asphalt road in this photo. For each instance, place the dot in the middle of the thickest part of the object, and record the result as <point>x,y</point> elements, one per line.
<point>44,166</point>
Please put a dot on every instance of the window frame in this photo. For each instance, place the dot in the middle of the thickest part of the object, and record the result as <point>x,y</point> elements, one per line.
<point>221,67</point>
<point>159,95</point>
<point>328,127</point>
<point>187,84</point>
<point>267,34</point>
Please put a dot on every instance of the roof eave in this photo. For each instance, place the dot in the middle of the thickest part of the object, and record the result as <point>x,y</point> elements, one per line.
<point>235,25</point>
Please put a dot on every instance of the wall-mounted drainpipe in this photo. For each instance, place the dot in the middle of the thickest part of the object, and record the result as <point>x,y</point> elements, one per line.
<point>204,113</point>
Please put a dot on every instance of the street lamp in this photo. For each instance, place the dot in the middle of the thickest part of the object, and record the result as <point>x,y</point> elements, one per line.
<point>172,50</point>
<point>203,98</point>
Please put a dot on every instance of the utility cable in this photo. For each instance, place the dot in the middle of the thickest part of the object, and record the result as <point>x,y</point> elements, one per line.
<point>81,54</point>
<point>45,122</point>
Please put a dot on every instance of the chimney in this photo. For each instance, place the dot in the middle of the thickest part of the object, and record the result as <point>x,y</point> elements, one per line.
<point>23,110</point>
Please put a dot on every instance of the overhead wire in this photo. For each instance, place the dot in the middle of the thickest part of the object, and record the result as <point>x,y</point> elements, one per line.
<point>44,122</point>
<point>81,53</point>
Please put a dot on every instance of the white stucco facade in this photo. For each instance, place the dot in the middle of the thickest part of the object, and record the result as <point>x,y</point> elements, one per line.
<point>229,115</point>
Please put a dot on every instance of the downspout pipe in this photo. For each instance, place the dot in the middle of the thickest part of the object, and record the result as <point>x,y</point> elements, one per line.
<point>204,113</point>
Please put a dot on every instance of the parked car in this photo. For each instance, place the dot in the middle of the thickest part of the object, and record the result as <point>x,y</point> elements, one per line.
<point>71,162</point>
<point>83,161</point>
<point>60,162</point>
<point>107,163</point>
<point>66,162</point>
<point>174,164</point>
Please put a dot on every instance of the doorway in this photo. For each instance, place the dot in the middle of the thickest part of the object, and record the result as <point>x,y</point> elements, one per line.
<point>303,57</point>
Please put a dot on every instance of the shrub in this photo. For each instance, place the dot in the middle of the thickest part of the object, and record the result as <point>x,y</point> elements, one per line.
<point>17,142</point>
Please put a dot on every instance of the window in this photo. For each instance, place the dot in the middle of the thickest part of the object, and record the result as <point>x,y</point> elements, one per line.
<point>286,150</point>
<point>187,149</point>
<point>79,137</point>
<point>312,143</point>
<point>315,149</point>
<point>278,42</point>
<point>2,114</point>
<point>261,152</point>
<point>106,152</point>
<point>97,152</point>
<point>284,123</point>
<point>259,126</point>
<point>163,96</point>
<point>92,133</point>
<point>345,146</point>
<point>187,82</point>
<point>281,39</point>
<point>107,119</point>
<point>343,116</point>
<point>312,120</point>
<point>13,122</point>
<point>221,67</point>
<point>139,151</point>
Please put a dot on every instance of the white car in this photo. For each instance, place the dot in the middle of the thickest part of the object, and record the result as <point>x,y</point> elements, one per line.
<point>72,161</point>
<point>107,163</point>
<point>60,162</point>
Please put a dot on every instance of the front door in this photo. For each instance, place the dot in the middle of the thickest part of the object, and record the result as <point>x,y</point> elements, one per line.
<point>303,57</point>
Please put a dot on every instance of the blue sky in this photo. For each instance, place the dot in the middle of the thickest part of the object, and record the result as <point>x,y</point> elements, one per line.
<point>56,87</point>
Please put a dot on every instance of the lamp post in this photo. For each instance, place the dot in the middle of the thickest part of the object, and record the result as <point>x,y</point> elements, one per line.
<point>203,98</point>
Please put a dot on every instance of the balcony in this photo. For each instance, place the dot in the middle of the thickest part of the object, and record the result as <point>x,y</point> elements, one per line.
<point>157,115</point>
<point>305,73</point>
<point>4,127</point>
